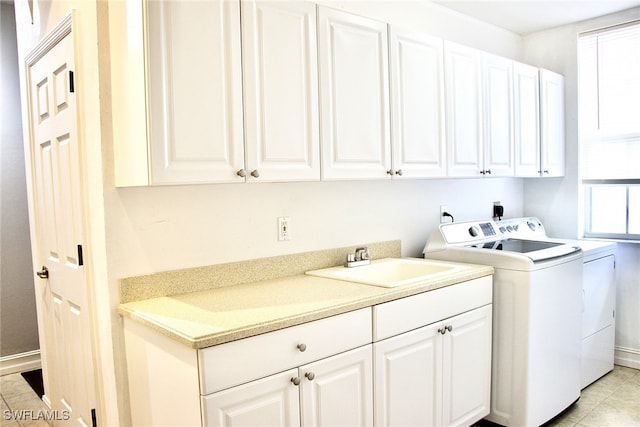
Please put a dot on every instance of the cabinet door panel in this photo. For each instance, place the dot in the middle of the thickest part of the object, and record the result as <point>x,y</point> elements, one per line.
<point>268,402</point>
<point>552,123</point>
<point>353,55</point>
<point>281,90</point>
<point>463,110</point>
<point>194,91</point>
<point>408,378</point>
<point>340,393</point>
<point>526,120</point>
<point>498,115</point>
<point>417,96</point>
<point>467,367</point>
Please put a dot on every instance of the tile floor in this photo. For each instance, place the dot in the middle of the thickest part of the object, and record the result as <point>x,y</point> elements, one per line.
<point>613,400</point>
<point>17,397</point>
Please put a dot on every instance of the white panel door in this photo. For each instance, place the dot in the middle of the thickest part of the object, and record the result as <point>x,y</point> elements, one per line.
<point>194,91</point>
<point>338,391</point>
<point>467,367</point>
<point>354,96</point>
<point>281,90</point>
<point>526,120</point>
<point>552,123</point>
<point>417,99</point>
<point>269,402</point>
<point>62,296</point>
<point>408,379</point>
<point>497,76</point>
<point>463,103</point>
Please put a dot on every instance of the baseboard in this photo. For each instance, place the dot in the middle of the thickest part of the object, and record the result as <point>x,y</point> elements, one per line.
<point>20,362</point>
<point>629,357</point>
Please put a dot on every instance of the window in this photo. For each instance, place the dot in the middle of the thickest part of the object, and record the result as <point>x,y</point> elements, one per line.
<point>609,127</point>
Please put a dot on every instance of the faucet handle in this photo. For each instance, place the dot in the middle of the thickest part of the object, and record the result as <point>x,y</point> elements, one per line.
<point>362,253</point>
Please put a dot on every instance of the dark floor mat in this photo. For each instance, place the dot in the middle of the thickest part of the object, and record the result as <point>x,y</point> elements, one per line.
<point>34,378</point>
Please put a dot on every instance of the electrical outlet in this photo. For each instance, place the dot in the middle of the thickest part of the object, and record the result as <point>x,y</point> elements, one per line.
<point>284,233</point>
<point>443,209</point>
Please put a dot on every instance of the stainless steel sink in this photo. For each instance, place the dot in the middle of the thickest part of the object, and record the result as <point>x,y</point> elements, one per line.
<point>390,272</point>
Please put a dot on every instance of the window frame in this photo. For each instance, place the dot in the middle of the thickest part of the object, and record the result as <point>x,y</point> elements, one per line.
<point>587,184</point>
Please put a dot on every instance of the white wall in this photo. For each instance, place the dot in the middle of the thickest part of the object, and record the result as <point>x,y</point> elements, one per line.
<point>557,202</point>
<point>18,324</point>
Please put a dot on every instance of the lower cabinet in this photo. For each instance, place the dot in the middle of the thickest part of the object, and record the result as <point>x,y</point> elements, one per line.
<point>333,391</point>
<point>422,360</point>
<point>437,375</point>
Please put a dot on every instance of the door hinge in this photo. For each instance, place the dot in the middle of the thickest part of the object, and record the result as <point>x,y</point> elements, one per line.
<point>80,256</point>
<point>94,421</point>
<point>72,86</point>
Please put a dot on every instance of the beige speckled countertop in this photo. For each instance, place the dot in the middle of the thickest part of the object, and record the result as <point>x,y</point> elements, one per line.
<point>209,317</point>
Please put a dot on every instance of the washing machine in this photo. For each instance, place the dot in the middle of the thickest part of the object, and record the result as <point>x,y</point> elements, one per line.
<point>537,316</point>
<point>598,295</point>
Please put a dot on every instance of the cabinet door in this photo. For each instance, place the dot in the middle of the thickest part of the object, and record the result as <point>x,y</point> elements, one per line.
<point>467,367</point>
<point>270,402</point>
<point>526,120</point>
<point>497,75</point>
<point>338,390</point>
<point>552,123</point>
<point>417,99</point>
<point>354,96</point>
<point>463,103</point>
<point>408,378</point>
<point>280,90</point>
<point>194,91</point>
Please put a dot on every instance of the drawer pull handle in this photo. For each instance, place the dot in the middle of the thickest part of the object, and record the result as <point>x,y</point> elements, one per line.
<point>302,347</point>
<point>295,380</point>
<point>310,376</point>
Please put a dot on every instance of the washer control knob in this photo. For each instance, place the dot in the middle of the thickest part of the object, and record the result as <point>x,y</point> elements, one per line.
<point>532,225</point>
<point>473,231</point>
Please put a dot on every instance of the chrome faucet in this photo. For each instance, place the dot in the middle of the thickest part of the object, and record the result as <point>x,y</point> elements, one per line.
<point>360,257</point>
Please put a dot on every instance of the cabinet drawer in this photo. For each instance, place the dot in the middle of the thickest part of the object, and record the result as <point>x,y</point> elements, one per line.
<point>395,317</point>
<point>237,362</point>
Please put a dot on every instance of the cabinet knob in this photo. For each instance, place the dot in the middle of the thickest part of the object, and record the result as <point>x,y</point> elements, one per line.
<point>399,172</point>
<point>546,171</point>
<point>310,376</point>
<point>390,172</point>
<point>255,173</point>
<point>445,329</point>
<point>295,380</point>
<point>488,171</point>
<point>302,347</point>
<point>241,173</point>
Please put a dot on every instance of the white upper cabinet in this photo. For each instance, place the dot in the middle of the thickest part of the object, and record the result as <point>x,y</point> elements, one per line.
<point>354,96</point>
<point>280,91</point>
<point>551,123</point>
<point>194,91</point>
<point>417,104</point>
<point>539,122</point>
<point>497,76</point>
<point>526,119</point>
<point>463,91</point>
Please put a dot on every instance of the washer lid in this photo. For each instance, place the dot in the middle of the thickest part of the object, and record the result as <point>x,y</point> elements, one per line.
<point>536,250</point>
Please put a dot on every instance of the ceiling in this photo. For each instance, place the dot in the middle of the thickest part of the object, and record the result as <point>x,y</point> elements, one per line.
<point>528,16</point>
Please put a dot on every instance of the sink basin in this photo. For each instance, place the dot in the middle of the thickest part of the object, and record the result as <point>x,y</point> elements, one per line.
<point>389,272</point>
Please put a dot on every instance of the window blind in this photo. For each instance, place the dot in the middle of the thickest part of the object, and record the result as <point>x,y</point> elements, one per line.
<point>609,102</point>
